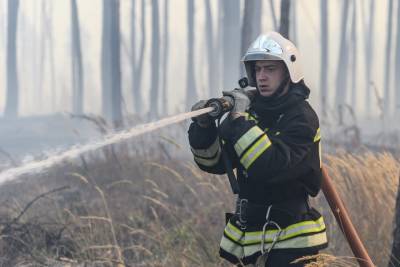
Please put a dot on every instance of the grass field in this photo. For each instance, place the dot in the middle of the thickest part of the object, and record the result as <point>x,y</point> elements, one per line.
<point>126,209</point>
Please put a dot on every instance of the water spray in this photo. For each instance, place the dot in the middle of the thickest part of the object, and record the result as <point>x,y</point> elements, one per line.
<point>74,152</point>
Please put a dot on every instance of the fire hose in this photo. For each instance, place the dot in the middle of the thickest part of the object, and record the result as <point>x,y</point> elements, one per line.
<point>343,219</point>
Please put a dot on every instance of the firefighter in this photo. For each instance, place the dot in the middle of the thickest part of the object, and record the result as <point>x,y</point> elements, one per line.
<point>273,141</point>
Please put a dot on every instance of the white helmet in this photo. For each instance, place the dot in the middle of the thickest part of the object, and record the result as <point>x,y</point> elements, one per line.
<point>273,46</point>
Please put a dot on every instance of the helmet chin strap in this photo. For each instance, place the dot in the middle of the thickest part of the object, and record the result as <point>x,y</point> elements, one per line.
<point>278,91</point>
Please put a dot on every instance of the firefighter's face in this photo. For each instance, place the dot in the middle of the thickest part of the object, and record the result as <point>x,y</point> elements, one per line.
<point>269,75</point>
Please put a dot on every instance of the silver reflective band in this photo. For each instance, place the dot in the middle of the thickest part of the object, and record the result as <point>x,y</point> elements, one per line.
<point>208,157</point>
<point>208,152</point>
<point>297,242</point>
<point>208,162</point>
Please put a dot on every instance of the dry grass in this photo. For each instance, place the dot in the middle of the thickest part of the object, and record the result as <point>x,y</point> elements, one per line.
<point>368,185</point>
<point>148,211</point>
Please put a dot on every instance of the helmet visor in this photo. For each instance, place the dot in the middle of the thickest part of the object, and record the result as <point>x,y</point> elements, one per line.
<point>259,56</point>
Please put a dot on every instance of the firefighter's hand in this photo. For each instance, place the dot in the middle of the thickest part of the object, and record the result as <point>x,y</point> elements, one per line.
<point>241,102</point>
<point>203,120</point>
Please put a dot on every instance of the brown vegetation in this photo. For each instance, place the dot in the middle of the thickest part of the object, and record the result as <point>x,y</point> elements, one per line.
<point>139,211</point>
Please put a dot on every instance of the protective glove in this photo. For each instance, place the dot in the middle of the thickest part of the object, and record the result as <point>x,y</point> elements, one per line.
<point>241,102</point>
<point>203,120</point>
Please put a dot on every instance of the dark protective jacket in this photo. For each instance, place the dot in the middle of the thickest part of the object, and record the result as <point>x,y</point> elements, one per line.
<point>275,149</point>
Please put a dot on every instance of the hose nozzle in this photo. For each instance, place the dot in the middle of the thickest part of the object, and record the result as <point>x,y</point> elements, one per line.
<point>220,106</point>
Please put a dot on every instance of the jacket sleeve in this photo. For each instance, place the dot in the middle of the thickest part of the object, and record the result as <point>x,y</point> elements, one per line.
<point>206,149</point>
<point>269,155</point>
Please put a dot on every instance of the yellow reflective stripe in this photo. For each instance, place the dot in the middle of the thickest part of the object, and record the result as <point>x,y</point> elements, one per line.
<point>208,162</point>
<point>249,117</point>
<point>291,231</point>
<point>317,136</point>
<point>285,234</point>
<point>255,151</point>
<point>233,232</point>
<point>319,222</point>
<point>245,140</point>
<point>208,152</point>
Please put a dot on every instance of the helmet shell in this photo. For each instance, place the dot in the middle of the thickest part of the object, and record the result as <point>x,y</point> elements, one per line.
<point>273,46</point>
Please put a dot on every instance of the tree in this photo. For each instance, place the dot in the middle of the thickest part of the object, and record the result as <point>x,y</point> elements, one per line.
<point>388,66</point>
<point>230,43</point>
<point>111,69</point>
<point>251,25</point>
<point>155,62</point>
<point>397,66</point>
<point>77,69</point>
<point>137,63</point>
<point>191,90</point>
<point>211,50</point>
<point>341,74</point>
<point>324,68</point>
<point>284,25</point>
<point>369,52</point>
<point>49,30</point>
<point>273,15</point>
<point>11,109</point>
<point>165,54</point>
<point>353,97</point>
<point>293,23</point>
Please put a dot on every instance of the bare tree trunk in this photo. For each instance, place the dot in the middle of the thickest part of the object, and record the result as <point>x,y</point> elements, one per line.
<point>111,72</point>
<point>155,62</point>
<point>106,61</point>
<point>353,96</point>
<point>284,25</point>
<point>274,18</point>
<point>211,50</point>
<point>369,53</point>
<point>231,36</point>
<point>134,39</point>
<point>116,95</point>
<point>397,66</point>
<point>137,63</point>
<point>293,23</point>
<point>35,66</point>
<point>251,26</point>
<point>164,88</point>
<point>11,108</point>
<point>388,65</point>
<point>77,69</point>
<point>51,57</point>
<point>191,90</point>
<point>42,55</point>
<point>324,68</point>
<point>46,52</point>
<point>341,74</point>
